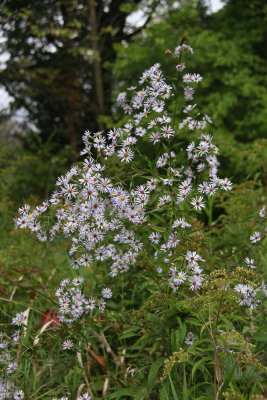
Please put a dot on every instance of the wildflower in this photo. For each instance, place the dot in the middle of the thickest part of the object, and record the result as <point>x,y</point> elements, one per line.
<point>70,190</point>
<point>192,257</point>
<point>121,97</point>
<point>181,276</point>
<point>64,308</point>
<point>250,263</point>
<point>190,338</point>
<point>182,223</point>
<point>41,236</point>
<point>190,107</point>
<point>201,167</point>
<point>164,199</point>
<point>211,190</point>
<point>262,212</point>
<point>226,184</point>
<point>90,305</point>
<point>18,320</point>
<point>187,78</point>
<point>67,345</point>
<point>188,93</point>
<point>195,282</point>
<point>158,106</point>
<point>151,124</point>
<point>5,356</point>
<point>22,222</point>
<point>154,237</point>
<point>173,241</point>
<point>180,67</point>
<point>198,203</point>
<point>77,281</point>
<point>24,209</point>
<point>101,253</point>
<point>196,78</point>
<point>101,304</point>
<point>65,282</point>
<point>78,298</point>
<point>113,272</point>
<point>186,186</point>
<point>164,248</point>
<point>85,396</point>
<point>167,131</point>
<point>131,371</point>
<point>109,150</point>
<point>16,336</point>
<point>97,213</point>
<point>18,394</point>
<point>239,288</point>
<point>152,184</point>
<point>207,118</point>
<point>86,259</point>
<point>203,148</point>
<point>125,154</point>
<point>203,187</point>
<point>154,137</point>
<point>181,197</point>
<point>164,119</point>
<point>129,141</point>
<point>107,293</point>
<point>11,368</point>
<point>140,131</point>
<point>174,284</point>
<point>256,237</point>
<point>192,124</point>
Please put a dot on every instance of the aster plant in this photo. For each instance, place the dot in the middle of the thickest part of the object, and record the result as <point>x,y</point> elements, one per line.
<point>147,224</point>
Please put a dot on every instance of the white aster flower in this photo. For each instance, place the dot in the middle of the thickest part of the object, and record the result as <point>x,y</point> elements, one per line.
<point>198,203</point>
<point>256,237</point>
<point>190,338</point>
<point>107,293</point>
<point>262,212</point>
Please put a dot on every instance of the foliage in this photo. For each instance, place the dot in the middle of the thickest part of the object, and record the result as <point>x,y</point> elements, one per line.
<point>232,62</point>
<point>185,297</point>
<point>54,69</point>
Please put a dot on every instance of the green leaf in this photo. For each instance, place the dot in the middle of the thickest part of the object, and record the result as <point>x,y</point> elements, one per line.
<point>173,388</point>
<point>126,391</point>
<point>193,390</point>
<point>141,394</point>
<point>127,335</point>
<point>261,335</point>
<point>198,364</point>
<point>164,393</point>
<point>153,372</point>
<point>185,392</point>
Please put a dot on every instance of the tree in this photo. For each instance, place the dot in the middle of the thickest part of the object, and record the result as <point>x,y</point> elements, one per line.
<point>57,50</point>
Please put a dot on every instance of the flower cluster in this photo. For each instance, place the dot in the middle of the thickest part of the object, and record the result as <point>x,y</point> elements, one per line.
<point>73,303</point>
<point>8,348</point>
<point>193,268</point>
<point>112,221</point>
<point>109,221</point>
<point>84,396</point>
<point>247,295</point>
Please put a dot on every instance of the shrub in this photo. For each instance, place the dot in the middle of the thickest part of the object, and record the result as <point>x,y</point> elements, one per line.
<point>149,282</point>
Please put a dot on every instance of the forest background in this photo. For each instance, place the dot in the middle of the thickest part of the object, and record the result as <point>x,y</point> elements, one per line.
<point>67,61</point>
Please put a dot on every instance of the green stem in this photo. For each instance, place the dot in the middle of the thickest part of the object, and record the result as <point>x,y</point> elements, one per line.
<point>210,209</point>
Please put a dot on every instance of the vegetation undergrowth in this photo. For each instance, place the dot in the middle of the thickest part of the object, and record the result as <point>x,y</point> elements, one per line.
<point>164,295</point>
